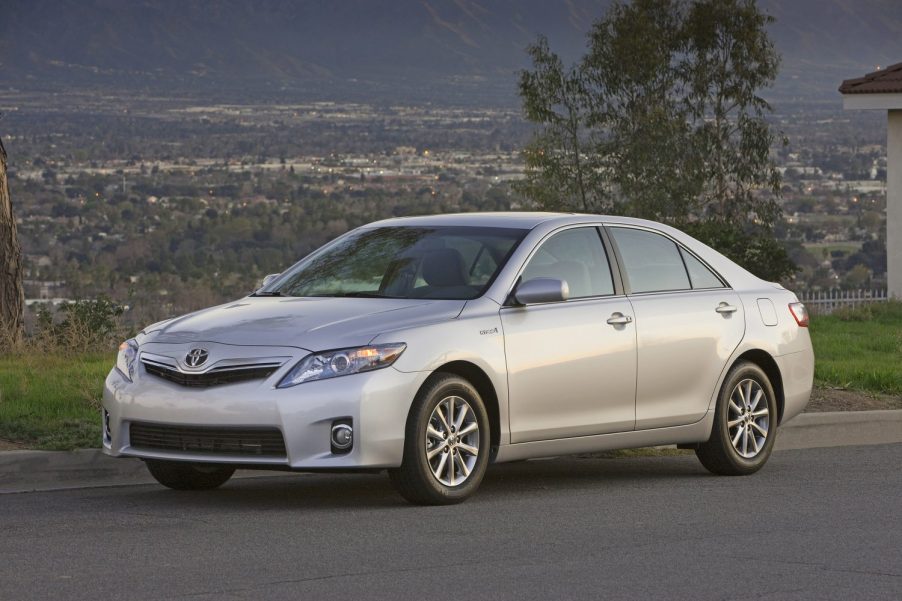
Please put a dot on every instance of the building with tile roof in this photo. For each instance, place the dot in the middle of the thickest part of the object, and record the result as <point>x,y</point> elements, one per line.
<point>882,90</point>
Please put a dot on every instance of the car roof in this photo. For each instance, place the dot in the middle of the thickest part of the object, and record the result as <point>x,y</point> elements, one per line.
<point>518,220</point>
<point>512,219</point>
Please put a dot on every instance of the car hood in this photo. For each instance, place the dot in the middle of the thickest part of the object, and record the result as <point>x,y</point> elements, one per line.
<point>308,323</point>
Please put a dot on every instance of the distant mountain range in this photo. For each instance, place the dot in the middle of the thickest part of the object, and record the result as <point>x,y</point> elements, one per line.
<point>397,50</point>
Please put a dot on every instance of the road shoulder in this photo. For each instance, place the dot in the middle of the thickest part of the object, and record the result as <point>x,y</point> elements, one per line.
<point>29,471</point>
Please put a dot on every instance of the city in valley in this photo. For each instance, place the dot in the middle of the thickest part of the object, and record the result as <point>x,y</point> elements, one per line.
<point>168,204</point>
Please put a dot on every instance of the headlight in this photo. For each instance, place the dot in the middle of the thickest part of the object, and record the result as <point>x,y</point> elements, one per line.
<point>342,362</point>
<point>125,361</point>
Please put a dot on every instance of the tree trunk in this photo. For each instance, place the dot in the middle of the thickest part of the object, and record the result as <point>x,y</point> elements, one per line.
<point>12,295</point>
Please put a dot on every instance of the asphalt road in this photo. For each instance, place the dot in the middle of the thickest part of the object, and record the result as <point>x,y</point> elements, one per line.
<point>814,524</point>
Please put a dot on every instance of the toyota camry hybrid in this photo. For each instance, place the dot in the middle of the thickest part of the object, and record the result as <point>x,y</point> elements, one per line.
<point>431,347</point>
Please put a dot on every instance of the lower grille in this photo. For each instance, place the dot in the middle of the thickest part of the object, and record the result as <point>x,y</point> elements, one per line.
<point>238,441</point>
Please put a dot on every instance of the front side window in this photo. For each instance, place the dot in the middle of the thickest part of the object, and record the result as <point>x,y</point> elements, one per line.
<point>403,262</point>
<point>577,257</point>
<point>651,262</point>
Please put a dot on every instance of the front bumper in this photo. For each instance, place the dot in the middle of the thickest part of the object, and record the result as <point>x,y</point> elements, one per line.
<point>378,402</point>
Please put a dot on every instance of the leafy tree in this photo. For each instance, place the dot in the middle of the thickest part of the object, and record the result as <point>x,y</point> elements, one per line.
<point>729,58</point>
<point>753,247</point>
<point>857,277</point>
<point>554,97</point>
<point>872,255</point>
<point>662,119</point>
<point>638,122</point>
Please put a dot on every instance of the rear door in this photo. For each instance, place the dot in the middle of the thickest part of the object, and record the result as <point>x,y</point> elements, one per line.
<point>688,323</point>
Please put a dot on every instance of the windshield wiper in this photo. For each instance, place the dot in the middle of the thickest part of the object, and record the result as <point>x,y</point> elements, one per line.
<point>352,295</point>
<point>270,293</point>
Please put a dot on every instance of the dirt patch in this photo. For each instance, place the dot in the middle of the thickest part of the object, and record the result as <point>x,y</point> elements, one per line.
<point>841,399</point>
<point>8,445</point>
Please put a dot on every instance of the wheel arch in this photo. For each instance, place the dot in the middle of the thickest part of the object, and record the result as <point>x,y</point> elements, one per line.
<point>768,364</point>
<point>483,384</point>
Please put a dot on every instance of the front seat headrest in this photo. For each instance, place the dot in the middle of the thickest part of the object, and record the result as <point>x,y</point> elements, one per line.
<point>444,267</point>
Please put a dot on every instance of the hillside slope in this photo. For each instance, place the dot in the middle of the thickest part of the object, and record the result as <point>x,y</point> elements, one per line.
<point>389,46</point>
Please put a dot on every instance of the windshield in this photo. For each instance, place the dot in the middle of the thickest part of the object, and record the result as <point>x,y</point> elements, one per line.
<point>456,263</point>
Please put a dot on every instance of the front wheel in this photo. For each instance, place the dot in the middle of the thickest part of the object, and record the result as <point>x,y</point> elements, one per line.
<point>189,476</point>
<point>745,423</point>
<point>446,443</point>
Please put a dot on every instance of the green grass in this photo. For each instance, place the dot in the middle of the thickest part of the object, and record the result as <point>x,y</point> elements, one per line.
<point>860,349</point>
<point>50,401</point>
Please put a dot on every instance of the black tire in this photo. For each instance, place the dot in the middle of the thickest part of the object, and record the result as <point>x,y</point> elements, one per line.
<point>718,455</point>
<point>415,480</point>
<point>181,475</point>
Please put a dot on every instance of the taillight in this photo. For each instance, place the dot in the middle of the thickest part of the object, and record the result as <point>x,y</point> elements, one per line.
<point>800,313</point>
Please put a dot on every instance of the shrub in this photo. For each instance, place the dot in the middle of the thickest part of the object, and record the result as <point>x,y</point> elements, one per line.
<point>863,313</point>
<point>755,248</point>
<point>85,326</point>
<point>889,310</point>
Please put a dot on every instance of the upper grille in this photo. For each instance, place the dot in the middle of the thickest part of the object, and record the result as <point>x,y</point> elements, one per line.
<point>241,441</point>
<point>214,377</point>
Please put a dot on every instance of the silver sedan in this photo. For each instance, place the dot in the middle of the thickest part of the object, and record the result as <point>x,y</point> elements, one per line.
<point>433,346</point>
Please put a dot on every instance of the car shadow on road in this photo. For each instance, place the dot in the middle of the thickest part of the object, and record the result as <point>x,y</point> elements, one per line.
<point>589,473</point>
<point>360,491</point>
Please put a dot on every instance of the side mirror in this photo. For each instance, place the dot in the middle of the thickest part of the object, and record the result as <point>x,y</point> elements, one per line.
<point>268,280</point>
<point>541,290</point>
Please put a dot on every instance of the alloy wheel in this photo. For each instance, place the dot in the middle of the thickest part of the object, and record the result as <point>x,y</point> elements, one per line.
<point>452,441</point>
<point>748,418</point>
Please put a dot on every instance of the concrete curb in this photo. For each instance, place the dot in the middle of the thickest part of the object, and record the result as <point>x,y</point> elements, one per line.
<point>26,471</point>
<point>35,471</point>
<point>840,429</point>
<point>31,471</point>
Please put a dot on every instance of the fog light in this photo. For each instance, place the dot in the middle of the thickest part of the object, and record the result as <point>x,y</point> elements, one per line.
<point>342,437</point>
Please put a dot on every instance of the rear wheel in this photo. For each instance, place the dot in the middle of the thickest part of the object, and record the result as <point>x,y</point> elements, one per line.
<point>446,443</point>
<point>189,476</point>
<point>745,423</point>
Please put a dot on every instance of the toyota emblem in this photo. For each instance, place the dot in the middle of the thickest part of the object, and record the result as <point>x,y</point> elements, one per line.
<point>196,357</point>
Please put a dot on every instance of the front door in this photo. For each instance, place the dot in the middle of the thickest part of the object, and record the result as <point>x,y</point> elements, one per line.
<point>572,364</point>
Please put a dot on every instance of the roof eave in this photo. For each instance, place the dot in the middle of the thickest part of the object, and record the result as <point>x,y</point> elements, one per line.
<point>879,101</point>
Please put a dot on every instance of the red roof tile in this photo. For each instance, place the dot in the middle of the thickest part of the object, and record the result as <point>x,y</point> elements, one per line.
<point>884,81</point>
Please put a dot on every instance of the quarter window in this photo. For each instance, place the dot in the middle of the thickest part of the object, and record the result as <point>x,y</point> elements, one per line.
<point>576,256</point>
<point>652,262</point>
<point>701,276</point>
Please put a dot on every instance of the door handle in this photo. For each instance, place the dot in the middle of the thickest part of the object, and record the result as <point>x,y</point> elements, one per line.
<point>619,319</point>
<point>723,308</point>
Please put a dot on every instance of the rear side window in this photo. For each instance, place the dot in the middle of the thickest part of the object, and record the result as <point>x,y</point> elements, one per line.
<point>651,262</point>
<point>701,276</point>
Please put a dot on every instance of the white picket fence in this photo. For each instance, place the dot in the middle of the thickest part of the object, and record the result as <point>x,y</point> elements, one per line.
<point>824,302</point>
